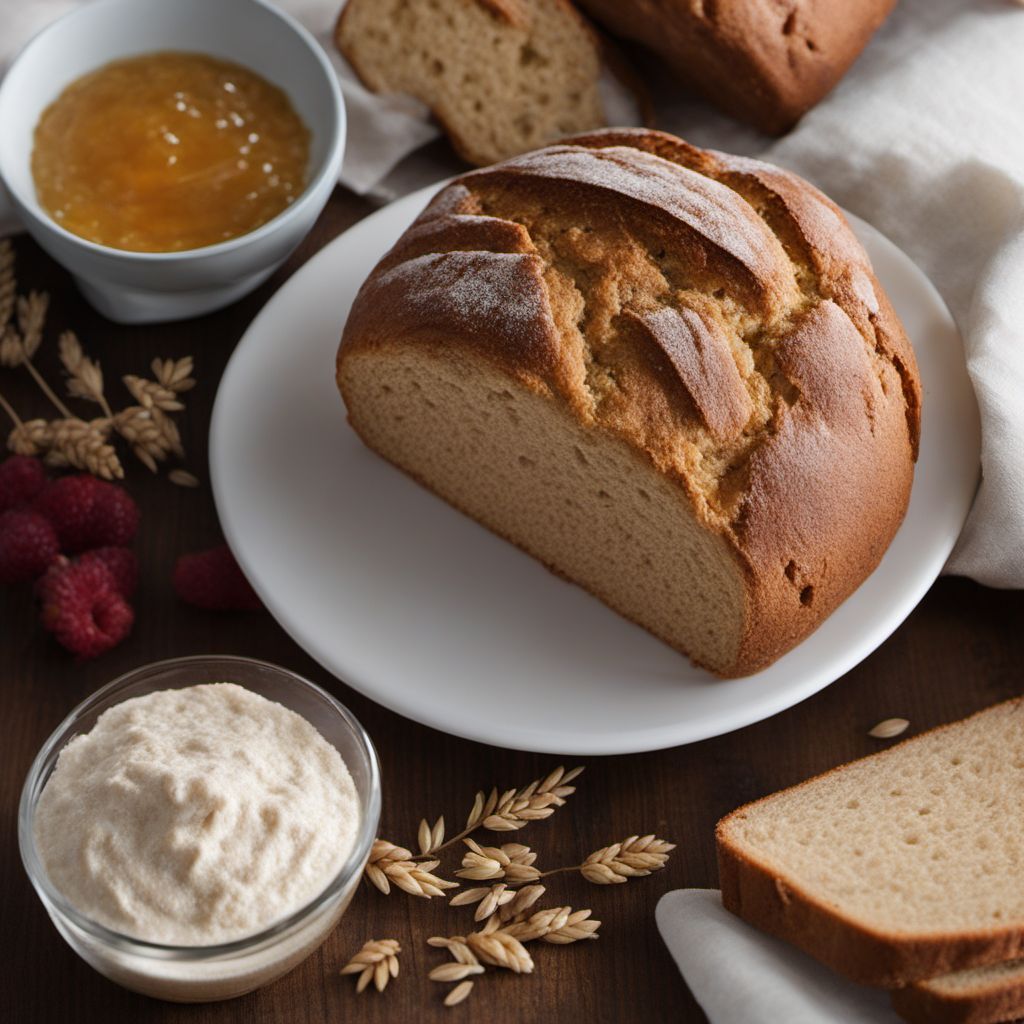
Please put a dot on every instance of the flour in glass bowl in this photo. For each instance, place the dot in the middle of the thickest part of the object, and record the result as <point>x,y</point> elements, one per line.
<point>196,816</point>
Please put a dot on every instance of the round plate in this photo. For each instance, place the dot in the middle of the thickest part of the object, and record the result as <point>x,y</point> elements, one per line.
<point>428,613</point>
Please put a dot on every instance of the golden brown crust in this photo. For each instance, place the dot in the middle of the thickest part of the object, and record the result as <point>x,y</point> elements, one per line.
<point>782,907</point>
<point>981,1004</point>
<point>716,314</point>
<point>762,61</point>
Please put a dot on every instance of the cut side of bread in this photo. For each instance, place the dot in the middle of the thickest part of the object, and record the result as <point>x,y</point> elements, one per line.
<point>502,76</point>
<point>668,374</point>
<point>979,995</point>
<point>902,866</point>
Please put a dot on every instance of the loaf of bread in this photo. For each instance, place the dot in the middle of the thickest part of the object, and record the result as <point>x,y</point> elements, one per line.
<point>902,866</point>
<point>669,374</point>
<point>766,62</point>
<point>978,995</point>
<point>501,76</point>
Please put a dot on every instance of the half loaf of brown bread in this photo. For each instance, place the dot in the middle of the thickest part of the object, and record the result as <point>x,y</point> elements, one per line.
<point>667,373</point>
<point>763,61</point>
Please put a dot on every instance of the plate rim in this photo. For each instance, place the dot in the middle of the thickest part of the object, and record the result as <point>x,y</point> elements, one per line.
<point>659,736</point>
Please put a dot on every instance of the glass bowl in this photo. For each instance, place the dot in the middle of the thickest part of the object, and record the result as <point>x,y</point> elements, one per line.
<point>203,973</point>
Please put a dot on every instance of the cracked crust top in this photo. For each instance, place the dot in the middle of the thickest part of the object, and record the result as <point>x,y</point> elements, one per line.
<point>716,313</point>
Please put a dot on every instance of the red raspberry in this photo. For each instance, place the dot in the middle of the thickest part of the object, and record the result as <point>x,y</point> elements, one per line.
<point>28,544</point>
<point>21,479</point>
<point>212,580</point>
<point>121,562</point>
<point>68,504</point>
<point>115,517</point>
<point>82,607</point>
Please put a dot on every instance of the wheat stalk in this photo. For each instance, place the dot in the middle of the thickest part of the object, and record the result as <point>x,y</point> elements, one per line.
<point>70,440</point>
<point>390,863</point>
<point>510,861</point>
<point>488,899</point>
<point>632,858</point>
<point>500,949</point>
<point>81,445</point>
<point>504,812</point>
<point>377,961</point>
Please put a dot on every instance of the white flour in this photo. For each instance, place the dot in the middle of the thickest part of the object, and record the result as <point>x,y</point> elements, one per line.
<point>196,816</point>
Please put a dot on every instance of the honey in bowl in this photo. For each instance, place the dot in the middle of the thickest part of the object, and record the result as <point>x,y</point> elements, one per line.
<point>168,151</point>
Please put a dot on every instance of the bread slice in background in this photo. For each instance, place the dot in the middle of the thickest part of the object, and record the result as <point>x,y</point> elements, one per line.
<point>978,995</point>
<point>502,76</point>
<point>899,867</point>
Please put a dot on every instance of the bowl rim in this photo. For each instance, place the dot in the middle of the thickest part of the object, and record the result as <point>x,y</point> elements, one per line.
<point>330,165</point>
<point>63,733</point>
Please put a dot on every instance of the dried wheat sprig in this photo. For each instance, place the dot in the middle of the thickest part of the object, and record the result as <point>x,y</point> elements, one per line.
<point>30,437</point>
<point>459,993</point>
<point>151,395</point>
<point>81,445</point>
<point>632,858</point>
<point>499,949</point>
<point>390,863</point>
<point>174,374</point>
<point>31,311</point>
<point>488,899</point>
<point>377,961</point>
<point>18,350</point>
<point>534,802</point>
<point>578,925</point>
<point>521,902</point>
<point>85,377</point>
<point>431,839</point>
<point>505,812</point>
<point>511,861</point>
<point>145,430</point>
<point>8,284</point>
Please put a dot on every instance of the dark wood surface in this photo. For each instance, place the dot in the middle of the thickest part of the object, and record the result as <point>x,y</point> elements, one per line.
<point>959,651</point>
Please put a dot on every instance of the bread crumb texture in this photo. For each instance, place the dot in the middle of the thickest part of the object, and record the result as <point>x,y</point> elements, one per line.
<point>502,76</point>
<point>915,839</point>
<point>668,373</point>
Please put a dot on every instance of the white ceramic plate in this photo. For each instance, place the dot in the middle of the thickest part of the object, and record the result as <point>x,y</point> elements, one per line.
<point>428,613</point>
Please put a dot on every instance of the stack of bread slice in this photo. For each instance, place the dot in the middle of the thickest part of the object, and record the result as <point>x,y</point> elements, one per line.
<point>903,870</point>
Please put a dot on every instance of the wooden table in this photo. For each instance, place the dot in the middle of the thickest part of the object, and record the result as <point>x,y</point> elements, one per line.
<point>959,651</point>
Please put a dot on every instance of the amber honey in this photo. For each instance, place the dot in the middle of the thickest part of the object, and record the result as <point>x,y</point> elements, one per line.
<point>168,151</point>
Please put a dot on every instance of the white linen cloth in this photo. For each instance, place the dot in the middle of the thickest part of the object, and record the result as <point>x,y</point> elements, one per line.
<point>924,138</point>
<point>742,976</point>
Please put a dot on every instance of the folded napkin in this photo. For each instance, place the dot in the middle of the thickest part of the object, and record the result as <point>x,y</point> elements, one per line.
<point>924,138</point>
<point>742,976</point>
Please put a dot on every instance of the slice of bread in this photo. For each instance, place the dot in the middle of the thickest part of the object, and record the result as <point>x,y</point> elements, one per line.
<point>902,866</point>
<point>979,995</point>
<point>502,76</point>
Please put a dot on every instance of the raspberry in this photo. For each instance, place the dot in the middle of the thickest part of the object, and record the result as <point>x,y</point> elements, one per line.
<point>21,479</point>
<point>89,513</point>
<point>212,580</point>
<point>122,563</point>
<point>28,544</point>
<point>115,517</point>
<point>68,504</point>
<point>82,607</point>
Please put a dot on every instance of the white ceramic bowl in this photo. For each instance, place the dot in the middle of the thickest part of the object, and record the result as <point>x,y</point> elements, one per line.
<point>141,287</point>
